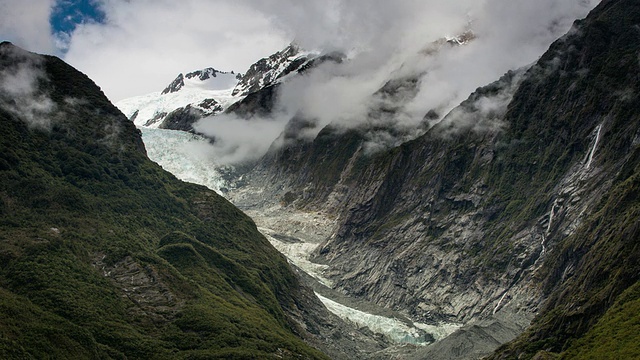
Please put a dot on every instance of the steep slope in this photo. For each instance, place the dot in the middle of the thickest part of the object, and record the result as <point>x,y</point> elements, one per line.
<point>267,71</point>
<point>595,271</point>
<point>518,201</point>
<point>260,85</point>
<point>105,255</point>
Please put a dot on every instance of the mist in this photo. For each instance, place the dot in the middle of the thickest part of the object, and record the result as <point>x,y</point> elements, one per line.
<point>392,40</point>
<point>385,41</point>
<point>20,88</point>
<point>136,51</point>
<point>237,140</point>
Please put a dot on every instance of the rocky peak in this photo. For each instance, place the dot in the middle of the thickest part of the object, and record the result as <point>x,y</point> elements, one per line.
<point>175,85</point>
<point>462,39</point>
<point>266,71</point>
<point>204,74</point>
<point>198,75</point>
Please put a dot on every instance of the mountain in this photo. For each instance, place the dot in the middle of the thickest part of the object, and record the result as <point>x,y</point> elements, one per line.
<point>188,98</point>
<point>269,70</point>
<point>520,205</point>
<point>105,255</point>
<point>209,92</point>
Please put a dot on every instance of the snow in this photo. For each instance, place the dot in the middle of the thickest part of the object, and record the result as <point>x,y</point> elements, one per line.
<point>275,74</point>
<point>505,294</point>
<point>185,155</point>
<point>192,93</point>
<point>221,81</point>
<point>551,215</point>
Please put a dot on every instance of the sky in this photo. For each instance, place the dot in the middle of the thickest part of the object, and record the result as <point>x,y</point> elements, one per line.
<point>133,47</point>
<point>136,47</point>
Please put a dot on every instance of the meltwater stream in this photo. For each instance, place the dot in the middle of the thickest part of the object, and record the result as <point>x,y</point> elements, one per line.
<point>187,156</point>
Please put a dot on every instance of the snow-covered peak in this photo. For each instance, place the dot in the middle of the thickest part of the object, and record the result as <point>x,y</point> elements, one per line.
<point>205,79</point>
<point>458,40</point>
<point>461,39</point>
<point>209,91</point>
<point>268,71</point>
<point>204,92</point>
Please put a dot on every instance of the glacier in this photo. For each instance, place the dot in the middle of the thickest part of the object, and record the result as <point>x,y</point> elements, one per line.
<point>185,155</point>
<point>189,157</point>
<point>396,330</point>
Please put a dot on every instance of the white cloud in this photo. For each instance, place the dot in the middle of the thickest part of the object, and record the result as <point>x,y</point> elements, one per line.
<point>386,38</point>
<point>26,24</point>
<point>144,44</point>
<point>20,89</point>
<point>237,140</point>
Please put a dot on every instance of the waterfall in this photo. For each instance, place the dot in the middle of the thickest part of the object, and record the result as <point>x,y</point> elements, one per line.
<point>595,145</point>
<point>500,302</point>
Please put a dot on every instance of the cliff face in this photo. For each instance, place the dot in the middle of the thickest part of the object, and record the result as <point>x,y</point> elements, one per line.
<point>521,200</point>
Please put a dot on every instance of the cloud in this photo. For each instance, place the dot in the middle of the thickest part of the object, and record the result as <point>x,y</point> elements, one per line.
<point>484,110</point>
<point>26,24</point>
<point>20,93</point>
<point>144,44</point>
<point>237,140</point>
<point>387,40</point>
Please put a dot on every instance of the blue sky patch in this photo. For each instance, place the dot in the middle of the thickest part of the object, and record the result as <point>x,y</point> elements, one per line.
<point>67,14</point>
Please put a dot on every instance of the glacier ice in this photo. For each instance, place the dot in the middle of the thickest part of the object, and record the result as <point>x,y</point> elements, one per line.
<point>396,330</point>
<point>185,155</point>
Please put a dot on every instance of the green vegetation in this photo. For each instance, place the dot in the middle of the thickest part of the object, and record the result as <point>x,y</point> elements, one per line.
<point>615,336</point>
<point>104,255</point>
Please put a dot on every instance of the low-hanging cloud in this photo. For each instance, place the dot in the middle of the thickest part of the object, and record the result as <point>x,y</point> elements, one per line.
<point>20,91</point>
<point>144,44</point>
<point>402,40</point>
<point>386,41</point>
<point>237,140</point>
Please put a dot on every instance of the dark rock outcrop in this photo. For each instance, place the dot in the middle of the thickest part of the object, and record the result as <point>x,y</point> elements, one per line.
<point>175,85</point>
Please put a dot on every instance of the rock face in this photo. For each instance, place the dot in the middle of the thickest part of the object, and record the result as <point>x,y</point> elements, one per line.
<point>185,117</point>
<point>267,71</point>
<point>209,92</point>
<point>261,83</point>
<point>496,212</point>
<point>175,85</point>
